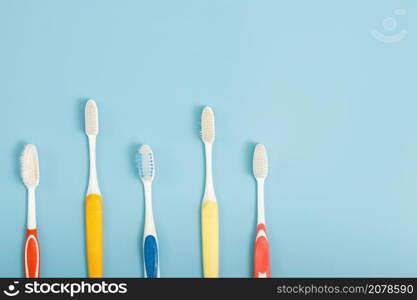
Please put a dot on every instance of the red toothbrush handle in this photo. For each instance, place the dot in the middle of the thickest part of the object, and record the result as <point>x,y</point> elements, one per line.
<point>262,268</point>
<point>32,254</point>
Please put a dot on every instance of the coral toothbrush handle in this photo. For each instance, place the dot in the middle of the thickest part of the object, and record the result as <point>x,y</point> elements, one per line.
<point>94,235</point>
<point>32,254</point>
<point>262,268</point>
<point>210,238</point>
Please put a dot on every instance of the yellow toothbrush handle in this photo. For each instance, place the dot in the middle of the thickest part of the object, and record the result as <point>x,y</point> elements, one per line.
<point>210,238</point>
<point>94,234</point>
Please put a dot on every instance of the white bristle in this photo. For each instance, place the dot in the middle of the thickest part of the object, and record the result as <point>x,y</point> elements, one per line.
<point>260,162</point>
<point>207,125</point>
<point>91,118</point>
<point>145,161</point>
<point>30,166</point>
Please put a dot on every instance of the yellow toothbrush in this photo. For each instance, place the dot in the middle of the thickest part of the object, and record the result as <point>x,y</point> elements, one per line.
<point>93,205</point>
<point>209,210</point>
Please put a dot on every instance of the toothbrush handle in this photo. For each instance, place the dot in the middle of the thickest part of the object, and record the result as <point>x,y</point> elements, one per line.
<point>32,254</point>
<point>94,235</point>
<point>210,238</point>
<point>150,255</point>
<point>262,267</point>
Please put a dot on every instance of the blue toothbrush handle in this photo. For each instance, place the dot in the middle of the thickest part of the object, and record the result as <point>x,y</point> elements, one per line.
<point>150,254</point>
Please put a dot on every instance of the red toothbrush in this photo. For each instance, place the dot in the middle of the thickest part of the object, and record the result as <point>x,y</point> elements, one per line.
<point>30,175</point>
<point>262,268</point>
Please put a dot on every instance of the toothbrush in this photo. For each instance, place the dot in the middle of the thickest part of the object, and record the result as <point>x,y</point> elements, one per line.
<point>209,210</point>
<point>30,175</point>
<point>146,167</point>
<point>94,206</point>
<point>262,267</point>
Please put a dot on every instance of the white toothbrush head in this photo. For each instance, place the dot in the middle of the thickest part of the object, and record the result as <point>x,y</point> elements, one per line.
<point>91,118</point>
<point>260,162</point>
<point>145,162</point>
<point>207,125</point>
<point>30,166</point>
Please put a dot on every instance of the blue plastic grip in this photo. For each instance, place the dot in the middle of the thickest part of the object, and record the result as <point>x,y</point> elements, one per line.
<point>150,252</point>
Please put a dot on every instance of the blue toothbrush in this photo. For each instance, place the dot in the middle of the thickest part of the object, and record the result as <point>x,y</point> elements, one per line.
<point>146,168</point>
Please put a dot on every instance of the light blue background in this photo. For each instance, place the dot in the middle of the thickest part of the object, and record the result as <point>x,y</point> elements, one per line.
<point>335,107</point>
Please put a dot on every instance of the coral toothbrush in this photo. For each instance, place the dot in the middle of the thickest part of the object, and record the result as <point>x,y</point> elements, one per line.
<point>94,206</point>
<point>146,169</point>
<point>30,175</point>
<point>262,267</point>
<point>209,210</point>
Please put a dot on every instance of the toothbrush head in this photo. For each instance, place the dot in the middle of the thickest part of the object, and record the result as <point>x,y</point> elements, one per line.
<point>30,166</point>
<point>207,125</point>
<point>91,118</point>
<point>260,162</point>
<point>145,162</point>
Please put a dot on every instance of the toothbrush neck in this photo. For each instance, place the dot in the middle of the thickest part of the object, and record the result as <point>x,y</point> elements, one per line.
<point>31,209</point>
<point>149,221</point>
<point>147,185</point>
<point>261,201</point>
<point>93,187</point>
<point>209,190</point>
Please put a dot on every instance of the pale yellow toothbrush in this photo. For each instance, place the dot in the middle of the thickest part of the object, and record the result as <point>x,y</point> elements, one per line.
<point>209,210</point>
